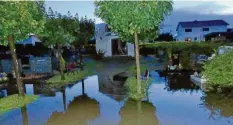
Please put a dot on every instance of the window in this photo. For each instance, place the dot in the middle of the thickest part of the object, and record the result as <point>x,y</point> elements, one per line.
<point>107,29</point>
<point>195,38</point>
<point>188,30</point>
<point>205,29</point>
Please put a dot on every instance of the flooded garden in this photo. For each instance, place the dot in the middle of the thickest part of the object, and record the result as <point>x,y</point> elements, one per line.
<point>64,69</point>
<point>172,100</point>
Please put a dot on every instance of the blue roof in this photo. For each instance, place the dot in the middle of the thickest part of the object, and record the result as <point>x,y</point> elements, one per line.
<point>30,40</point>
<point>202,23</point>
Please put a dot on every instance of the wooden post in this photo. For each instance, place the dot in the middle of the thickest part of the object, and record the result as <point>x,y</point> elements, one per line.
<point>83,90</point>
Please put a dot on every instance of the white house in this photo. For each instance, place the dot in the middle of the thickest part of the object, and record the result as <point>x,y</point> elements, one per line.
<point>196,30</point>
<point>110,43</point>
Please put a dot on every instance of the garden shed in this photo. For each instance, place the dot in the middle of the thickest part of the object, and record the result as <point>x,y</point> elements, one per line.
<point>32,57</point>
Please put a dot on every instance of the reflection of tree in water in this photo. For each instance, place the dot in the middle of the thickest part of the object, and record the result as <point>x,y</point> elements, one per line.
<point>138,113</point>
<point>80,111</point>
<point>218,105</point>
<point>24,115</point>
<point>180,83</point>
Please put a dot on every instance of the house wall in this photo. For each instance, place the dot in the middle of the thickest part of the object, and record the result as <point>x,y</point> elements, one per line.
<point>197,32</point>
<point>130,49</point>
<point>105,44</point>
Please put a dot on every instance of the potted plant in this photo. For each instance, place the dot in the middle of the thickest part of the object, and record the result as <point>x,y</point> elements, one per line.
<point>99,54</point>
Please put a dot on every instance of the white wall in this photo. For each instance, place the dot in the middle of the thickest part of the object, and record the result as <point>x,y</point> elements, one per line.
<point>197,32</point>
<point>105,43</point>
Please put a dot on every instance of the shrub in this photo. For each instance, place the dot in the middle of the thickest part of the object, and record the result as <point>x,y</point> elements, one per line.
<point>131,85</point>
<point>99,54</point>
<point>219,71</point>
<point>3,77</point>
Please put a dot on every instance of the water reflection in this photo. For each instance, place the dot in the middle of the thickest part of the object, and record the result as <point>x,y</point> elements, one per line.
<point>24,115</point>
<point>138,113</point>
<point>222,107</point>
<point>63,91</point>
<point>92,106</point>
<point>81,110</point>
<point>180,82</point>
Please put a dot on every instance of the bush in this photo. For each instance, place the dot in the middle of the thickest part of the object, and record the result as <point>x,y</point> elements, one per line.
<point>99,54</point>
<point>3,77</point>
<point>131,85</point>
<point>219,72</point>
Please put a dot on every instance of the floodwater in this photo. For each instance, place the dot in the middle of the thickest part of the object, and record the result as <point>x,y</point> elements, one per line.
<point>172,101</point>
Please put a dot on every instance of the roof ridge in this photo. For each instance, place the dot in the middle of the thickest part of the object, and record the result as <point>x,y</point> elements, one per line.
<point>202,23</point>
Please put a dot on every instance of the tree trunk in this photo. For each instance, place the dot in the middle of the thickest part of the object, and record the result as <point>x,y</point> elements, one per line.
<point>137,63</point>
<point>81,55</point>
<point>61,63</point>
<point>16,66</point>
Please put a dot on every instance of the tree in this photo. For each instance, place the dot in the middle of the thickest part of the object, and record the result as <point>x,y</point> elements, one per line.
<point>133,19</point>
<point>86,32</point>
<point>61,30</point>
<point>165,37</point>
<point>17,20</point>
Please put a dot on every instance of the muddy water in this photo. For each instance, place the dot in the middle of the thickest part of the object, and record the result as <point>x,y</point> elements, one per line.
<point>172,101</point>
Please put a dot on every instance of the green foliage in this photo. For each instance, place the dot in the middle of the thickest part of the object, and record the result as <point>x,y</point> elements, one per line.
<point>129,17</point>
<point>3,77</point>
<point>60,29</point>
<point>14,101</point>
<point>194,47</point>
<point>131,85</point>
<point>86,32</point>
<point>71,78</point>
<point>185,60</point>
<point>100,53</point>
<point>219,71</point>
<point>19,18</point>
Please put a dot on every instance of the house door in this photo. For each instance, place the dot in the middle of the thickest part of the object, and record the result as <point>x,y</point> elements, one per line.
<point>118,47</point>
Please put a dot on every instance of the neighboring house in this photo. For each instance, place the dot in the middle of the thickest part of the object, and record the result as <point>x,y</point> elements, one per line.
<point>110,43</point>
<point>196,30</point>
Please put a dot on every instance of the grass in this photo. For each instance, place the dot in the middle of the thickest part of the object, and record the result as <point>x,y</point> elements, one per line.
<point>93,64</point>
<point>131,85</point>
<point>56,81</point>
<point>14,101</point>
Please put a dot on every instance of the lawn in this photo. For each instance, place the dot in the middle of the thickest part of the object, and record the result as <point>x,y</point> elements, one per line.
<point>56,82</point>
<point>14,101</point>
